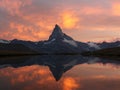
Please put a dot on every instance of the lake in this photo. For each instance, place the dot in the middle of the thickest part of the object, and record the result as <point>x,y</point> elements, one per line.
<point>59,72</point>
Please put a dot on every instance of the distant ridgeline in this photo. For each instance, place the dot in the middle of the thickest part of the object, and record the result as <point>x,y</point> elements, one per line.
<point>58,43</point>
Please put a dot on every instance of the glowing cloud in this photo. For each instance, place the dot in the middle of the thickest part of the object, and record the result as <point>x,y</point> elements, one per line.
<point>116,9</point>
<point>69,20</point>
<point>69,84</point>
<point>92,10</point>
<point>13,6</point>
<point>82,19</point>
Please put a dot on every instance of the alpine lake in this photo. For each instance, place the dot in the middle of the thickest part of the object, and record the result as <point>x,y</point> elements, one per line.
<point>59,72</point>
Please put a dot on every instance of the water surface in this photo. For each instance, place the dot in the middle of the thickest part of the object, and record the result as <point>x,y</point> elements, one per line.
<point>59,73</point>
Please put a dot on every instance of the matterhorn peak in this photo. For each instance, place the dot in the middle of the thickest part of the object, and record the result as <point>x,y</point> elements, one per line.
<point>57,33</point>
<point>57,28</point>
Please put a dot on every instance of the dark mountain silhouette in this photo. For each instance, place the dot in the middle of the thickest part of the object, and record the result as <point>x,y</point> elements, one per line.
<point>57,34</point>
<point>15,49</point>
<point>104,45</point>
<point>58,43</point>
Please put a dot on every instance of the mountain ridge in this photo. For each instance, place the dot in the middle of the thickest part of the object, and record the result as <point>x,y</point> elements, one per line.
<point>60,42</point>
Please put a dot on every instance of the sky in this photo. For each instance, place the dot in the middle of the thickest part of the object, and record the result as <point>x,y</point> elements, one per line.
<point>84,20</point>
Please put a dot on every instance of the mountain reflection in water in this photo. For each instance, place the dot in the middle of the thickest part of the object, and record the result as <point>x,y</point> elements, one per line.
<point>59,72</point>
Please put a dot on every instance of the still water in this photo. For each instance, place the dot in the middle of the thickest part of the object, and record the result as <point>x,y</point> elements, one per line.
<point>59,73</point>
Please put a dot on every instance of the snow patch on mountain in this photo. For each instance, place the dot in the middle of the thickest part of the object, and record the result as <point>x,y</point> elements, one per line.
<point>36,43</point>
<point>49,42</point>
<point>72,63</point>
<point>91,44</point>
<point>93,60</point>
<point>71,42</point>
<point>4,41</point>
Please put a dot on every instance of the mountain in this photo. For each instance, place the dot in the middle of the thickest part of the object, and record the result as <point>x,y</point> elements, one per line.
<point>15,49</point>
<point>104,45</point>
<point>59,43</point>
<point>31,45</point>
<point>94,45</point>
<point>57,34</point>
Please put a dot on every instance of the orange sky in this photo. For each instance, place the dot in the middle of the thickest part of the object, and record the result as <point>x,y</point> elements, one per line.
<point>84,20</point>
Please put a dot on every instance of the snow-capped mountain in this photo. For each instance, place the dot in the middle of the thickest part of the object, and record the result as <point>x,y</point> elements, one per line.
<point>59,42</point>
<point>58,34</point>
<point>94,45</point>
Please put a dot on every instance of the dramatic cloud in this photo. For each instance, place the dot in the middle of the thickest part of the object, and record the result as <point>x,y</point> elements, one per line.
<point>84,20</point>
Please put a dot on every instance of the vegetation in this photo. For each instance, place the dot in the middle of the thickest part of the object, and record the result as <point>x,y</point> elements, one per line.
<point>105,52</point>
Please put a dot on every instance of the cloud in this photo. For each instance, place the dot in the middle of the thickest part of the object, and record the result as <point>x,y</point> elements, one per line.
<point>116,8</point>
<point>70,84</point>
<point>35,19</point>
<point>14,6</point>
